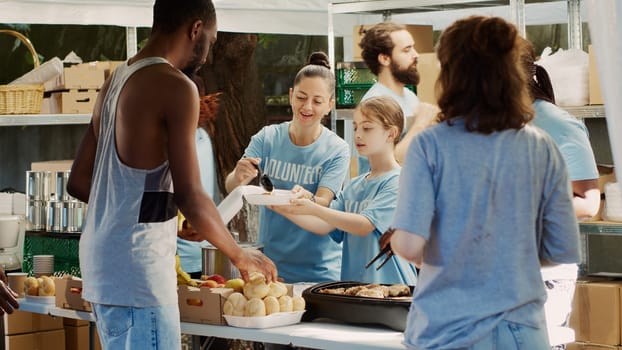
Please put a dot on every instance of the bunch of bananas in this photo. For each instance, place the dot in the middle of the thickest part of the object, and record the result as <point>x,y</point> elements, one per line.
<point>182,276</point>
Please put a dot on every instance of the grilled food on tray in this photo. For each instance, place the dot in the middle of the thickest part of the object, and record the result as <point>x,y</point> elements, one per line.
<point>370,291</point>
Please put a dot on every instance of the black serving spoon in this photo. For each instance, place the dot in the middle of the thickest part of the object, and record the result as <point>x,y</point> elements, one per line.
<point>264,180</point>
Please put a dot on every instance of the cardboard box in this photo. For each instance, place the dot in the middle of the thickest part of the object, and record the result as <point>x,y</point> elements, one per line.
<point>77,338</point>
<point>96,343</point>
<point>72,102</point>
<point>107,66</point>
<point>52,165</point>
<point>53,340</point>
<point>596,97</point>
<point>596,311</point>
<point>69,295</point>
<point>20,322</point>
<point>429,69</point>
<point>77,77</point>
<point>202,305</point>
<point>74,322</point>
<point>590,346</point>
<point>423,35</point>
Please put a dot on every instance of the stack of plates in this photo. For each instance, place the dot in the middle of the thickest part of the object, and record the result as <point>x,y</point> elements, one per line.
<point>43,264</point>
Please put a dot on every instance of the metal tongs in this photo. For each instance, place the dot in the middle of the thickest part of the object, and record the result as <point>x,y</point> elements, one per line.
<point>386,250</point>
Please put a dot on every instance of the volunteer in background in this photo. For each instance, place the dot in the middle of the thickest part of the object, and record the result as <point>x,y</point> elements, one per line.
<point>388,50</point>
<point>136,164</point>
<point>190,253</point>
<point>571,138</point>
<point>305,156</point>
<point>484,201</point>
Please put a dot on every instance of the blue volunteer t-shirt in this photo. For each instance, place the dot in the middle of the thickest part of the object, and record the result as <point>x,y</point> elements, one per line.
<point>409,103</point>
<point>376,200</point>
<point>489,207</point>
<point>570,136</point>
<point>300,256</point>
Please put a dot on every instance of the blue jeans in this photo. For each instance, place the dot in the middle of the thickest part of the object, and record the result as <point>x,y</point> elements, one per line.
<point>513,336</point>
<point>132,328</point>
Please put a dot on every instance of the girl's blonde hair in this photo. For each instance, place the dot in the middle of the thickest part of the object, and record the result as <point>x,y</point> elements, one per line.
<point>386,111</point>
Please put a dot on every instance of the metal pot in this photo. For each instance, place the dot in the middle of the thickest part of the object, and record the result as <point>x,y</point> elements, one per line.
<point>216,262</point>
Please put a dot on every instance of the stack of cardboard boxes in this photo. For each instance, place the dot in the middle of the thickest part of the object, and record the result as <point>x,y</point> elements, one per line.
<point>75,90</point>
<point>596,315</point>
<point>69,296</point>
<point>25,330</point>
<point>77,335</point>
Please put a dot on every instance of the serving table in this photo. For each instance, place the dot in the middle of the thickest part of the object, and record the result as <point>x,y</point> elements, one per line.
<point>319,335</point>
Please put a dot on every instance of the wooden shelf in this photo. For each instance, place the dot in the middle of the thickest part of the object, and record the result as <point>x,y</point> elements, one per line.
<point>595,111</point>
<point>44,119</point>
<point>61,235</point>
<point>601,227</point>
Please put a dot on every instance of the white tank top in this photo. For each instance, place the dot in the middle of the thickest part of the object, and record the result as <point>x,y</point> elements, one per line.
<point>127,248</point>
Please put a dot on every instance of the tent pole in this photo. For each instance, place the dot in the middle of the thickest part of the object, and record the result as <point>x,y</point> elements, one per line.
<point>331,58</point>
<point>575,32</point>
<point>131,44</point>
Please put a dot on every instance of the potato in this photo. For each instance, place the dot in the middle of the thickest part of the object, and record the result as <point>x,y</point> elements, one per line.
<point>286,303</point>
<point>299,303</point>
<point>255,307</point>
<point>272,305</point>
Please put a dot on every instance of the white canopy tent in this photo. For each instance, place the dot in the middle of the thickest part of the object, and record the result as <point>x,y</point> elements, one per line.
<point>307,17</point>
<point>310,17</point>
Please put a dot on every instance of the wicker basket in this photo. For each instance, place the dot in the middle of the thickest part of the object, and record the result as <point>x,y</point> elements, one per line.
<point>21,99</point>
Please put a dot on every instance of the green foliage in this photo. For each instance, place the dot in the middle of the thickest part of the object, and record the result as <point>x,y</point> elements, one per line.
<point>267,40</point>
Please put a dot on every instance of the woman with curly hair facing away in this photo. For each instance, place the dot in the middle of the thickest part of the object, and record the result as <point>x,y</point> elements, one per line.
<point>484,201</point>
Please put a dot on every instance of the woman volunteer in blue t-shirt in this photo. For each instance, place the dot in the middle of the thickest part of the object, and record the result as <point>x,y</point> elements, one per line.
<point>299,152</point>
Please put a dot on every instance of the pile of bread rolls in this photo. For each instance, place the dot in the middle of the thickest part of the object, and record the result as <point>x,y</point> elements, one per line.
<point>262,299</point>
<point>43,286</point>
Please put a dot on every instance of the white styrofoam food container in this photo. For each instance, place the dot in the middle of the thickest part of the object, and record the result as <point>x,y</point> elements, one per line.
<point>273,320</point>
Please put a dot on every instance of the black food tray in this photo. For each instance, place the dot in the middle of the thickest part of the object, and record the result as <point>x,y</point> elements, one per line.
<point>389,312</point>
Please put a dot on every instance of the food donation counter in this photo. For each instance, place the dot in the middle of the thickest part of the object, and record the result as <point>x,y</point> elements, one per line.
<point>319,335</point>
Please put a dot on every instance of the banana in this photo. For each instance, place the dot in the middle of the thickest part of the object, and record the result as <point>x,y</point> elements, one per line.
<point>182,276</point>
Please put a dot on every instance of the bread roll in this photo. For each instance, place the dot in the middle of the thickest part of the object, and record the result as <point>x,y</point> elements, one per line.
<point>255,307</point>
<point>286,303</point>
<point>299,303</point>
<point>256,286</point>
<point>272,305</point>
<point>276,289</point>
<point>235,305</point>
<point>47,287</point>
<point>31,286</point>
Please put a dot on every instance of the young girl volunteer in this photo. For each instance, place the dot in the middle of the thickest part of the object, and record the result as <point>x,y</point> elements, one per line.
<point>300,152</point>
<point>364,209</point>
